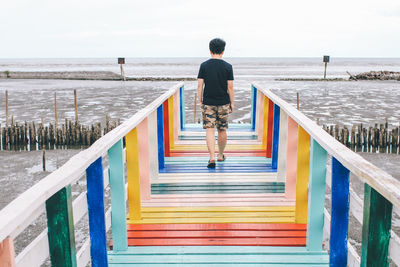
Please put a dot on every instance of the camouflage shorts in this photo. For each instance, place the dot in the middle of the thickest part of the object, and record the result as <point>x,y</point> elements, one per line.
<point>215,116</point>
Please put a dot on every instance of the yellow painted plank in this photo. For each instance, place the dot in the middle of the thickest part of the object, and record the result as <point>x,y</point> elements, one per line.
<point>133,174</point>
<point>265,122</point>
<point>216,220</point>
<point>216,209</point>
<point>171,121</point>
<point>303,165</point>
<point>218,214</point>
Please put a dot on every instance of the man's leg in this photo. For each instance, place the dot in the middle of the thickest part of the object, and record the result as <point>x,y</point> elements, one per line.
<point>210,137</point>
<point>221,143</point>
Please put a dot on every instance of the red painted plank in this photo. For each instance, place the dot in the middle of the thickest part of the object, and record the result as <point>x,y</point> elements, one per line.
<point>270,128</point>
<point>215,234</point>
<point>217,226</point>
<point>167,149</point>
<point>219,242</point>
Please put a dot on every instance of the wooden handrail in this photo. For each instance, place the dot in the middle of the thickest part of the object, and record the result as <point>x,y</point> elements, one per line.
<point>21,208</point>
<point>378,179</point>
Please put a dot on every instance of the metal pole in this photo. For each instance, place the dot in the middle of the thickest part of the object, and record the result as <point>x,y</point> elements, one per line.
<point>325,70</point>
<point>122,72</point>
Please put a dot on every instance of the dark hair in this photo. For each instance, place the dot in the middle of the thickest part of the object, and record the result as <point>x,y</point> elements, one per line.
<point>217,46</point>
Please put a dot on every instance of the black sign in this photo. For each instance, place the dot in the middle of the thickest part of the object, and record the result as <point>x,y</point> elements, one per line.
<point>326,59</point>
<point>121,60</point>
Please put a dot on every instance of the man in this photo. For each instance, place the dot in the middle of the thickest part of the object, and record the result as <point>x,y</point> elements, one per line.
<point>216,100</point>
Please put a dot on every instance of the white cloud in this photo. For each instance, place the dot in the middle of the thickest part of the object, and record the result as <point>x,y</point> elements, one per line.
<point>62,28</point>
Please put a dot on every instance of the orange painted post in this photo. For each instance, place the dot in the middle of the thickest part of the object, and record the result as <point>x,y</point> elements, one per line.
<point>291,159</point>
<point>7,253</point>
<point>270,128</point>
<point>144,160</point>
<point>303,167</point>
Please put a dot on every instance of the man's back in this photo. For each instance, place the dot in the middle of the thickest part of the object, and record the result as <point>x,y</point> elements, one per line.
<point>216,74</point>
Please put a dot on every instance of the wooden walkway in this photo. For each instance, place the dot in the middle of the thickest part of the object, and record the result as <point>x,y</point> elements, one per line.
<point>263,206</point>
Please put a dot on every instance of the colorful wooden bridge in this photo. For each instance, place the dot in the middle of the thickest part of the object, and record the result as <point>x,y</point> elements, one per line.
<point>263,206</point>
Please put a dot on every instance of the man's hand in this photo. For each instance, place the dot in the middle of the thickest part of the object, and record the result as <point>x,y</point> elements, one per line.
<point>231,105</point>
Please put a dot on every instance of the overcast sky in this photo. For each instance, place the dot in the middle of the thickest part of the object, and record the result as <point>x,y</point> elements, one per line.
<point>183,28</point>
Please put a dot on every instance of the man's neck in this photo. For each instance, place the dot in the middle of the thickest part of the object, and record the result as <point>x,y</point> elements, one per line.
<point>216,56</point>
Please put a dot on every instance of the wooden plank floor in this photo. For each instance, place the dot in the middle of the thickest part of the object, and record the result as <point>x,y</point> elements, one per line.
<point>217,235</point>
<point>235,214</point>
<point>218,256</point>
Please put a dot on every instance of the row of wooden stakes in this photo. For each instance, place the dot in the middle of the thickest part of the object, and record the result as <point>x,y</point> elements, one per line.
<point>362,139</point>
<point>71,134</point>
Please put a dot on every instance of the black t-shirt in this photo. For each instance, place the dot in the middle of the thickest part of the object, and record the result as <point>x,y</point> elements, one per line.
<point>216,74</point>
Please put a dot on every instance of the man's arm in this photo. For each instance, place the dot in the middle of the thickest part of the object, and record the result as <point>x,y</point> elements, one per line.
<point>200,84</point>
<point>230,92</point>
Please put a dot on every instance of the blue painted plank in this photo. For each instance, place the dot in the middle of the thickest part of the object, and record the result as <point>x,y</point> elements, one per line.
<point>339,214</point>
<point>118,202</point>
<point>316,197</point>
<point>253,107</point>
<point>160,137</point>
<point>97,226</point>
<point>275,137</point>
<point>182,106</point>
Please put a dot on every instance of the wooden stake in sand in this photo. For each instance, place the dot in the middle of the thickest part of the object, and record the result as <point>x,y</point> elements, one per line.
<point>76,106</point>
<point>6,108</point>
<point>44,158</point>
<point>298,101</point>
<point>55,109</point>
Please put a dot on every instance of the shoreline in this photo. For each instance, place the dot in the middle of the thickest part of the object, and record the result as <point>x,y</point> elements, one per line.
<point>82,75</point>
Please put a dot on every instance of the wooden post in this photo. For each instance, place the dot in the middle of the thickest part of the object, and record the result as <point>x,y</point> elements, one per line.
<point>7,253</point>
<point>118,202</point>
<point>316,197</point>
<point>291,164</point>
<point>298,100</point>
<point>44,158</point>
<point>55,110</point>
<point>60,226</point>
<point>144,159</point>
<point>76,106</point>
<point>303,165</point>
<point>97,223</point>
<point>275,139</point>
<point>6,108</point>
<point>376,229</point>
<point>160,137</point>
<point>339,214</point>
<point>270,124</point>
<point>133,174</point>
<point>282,150</point>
